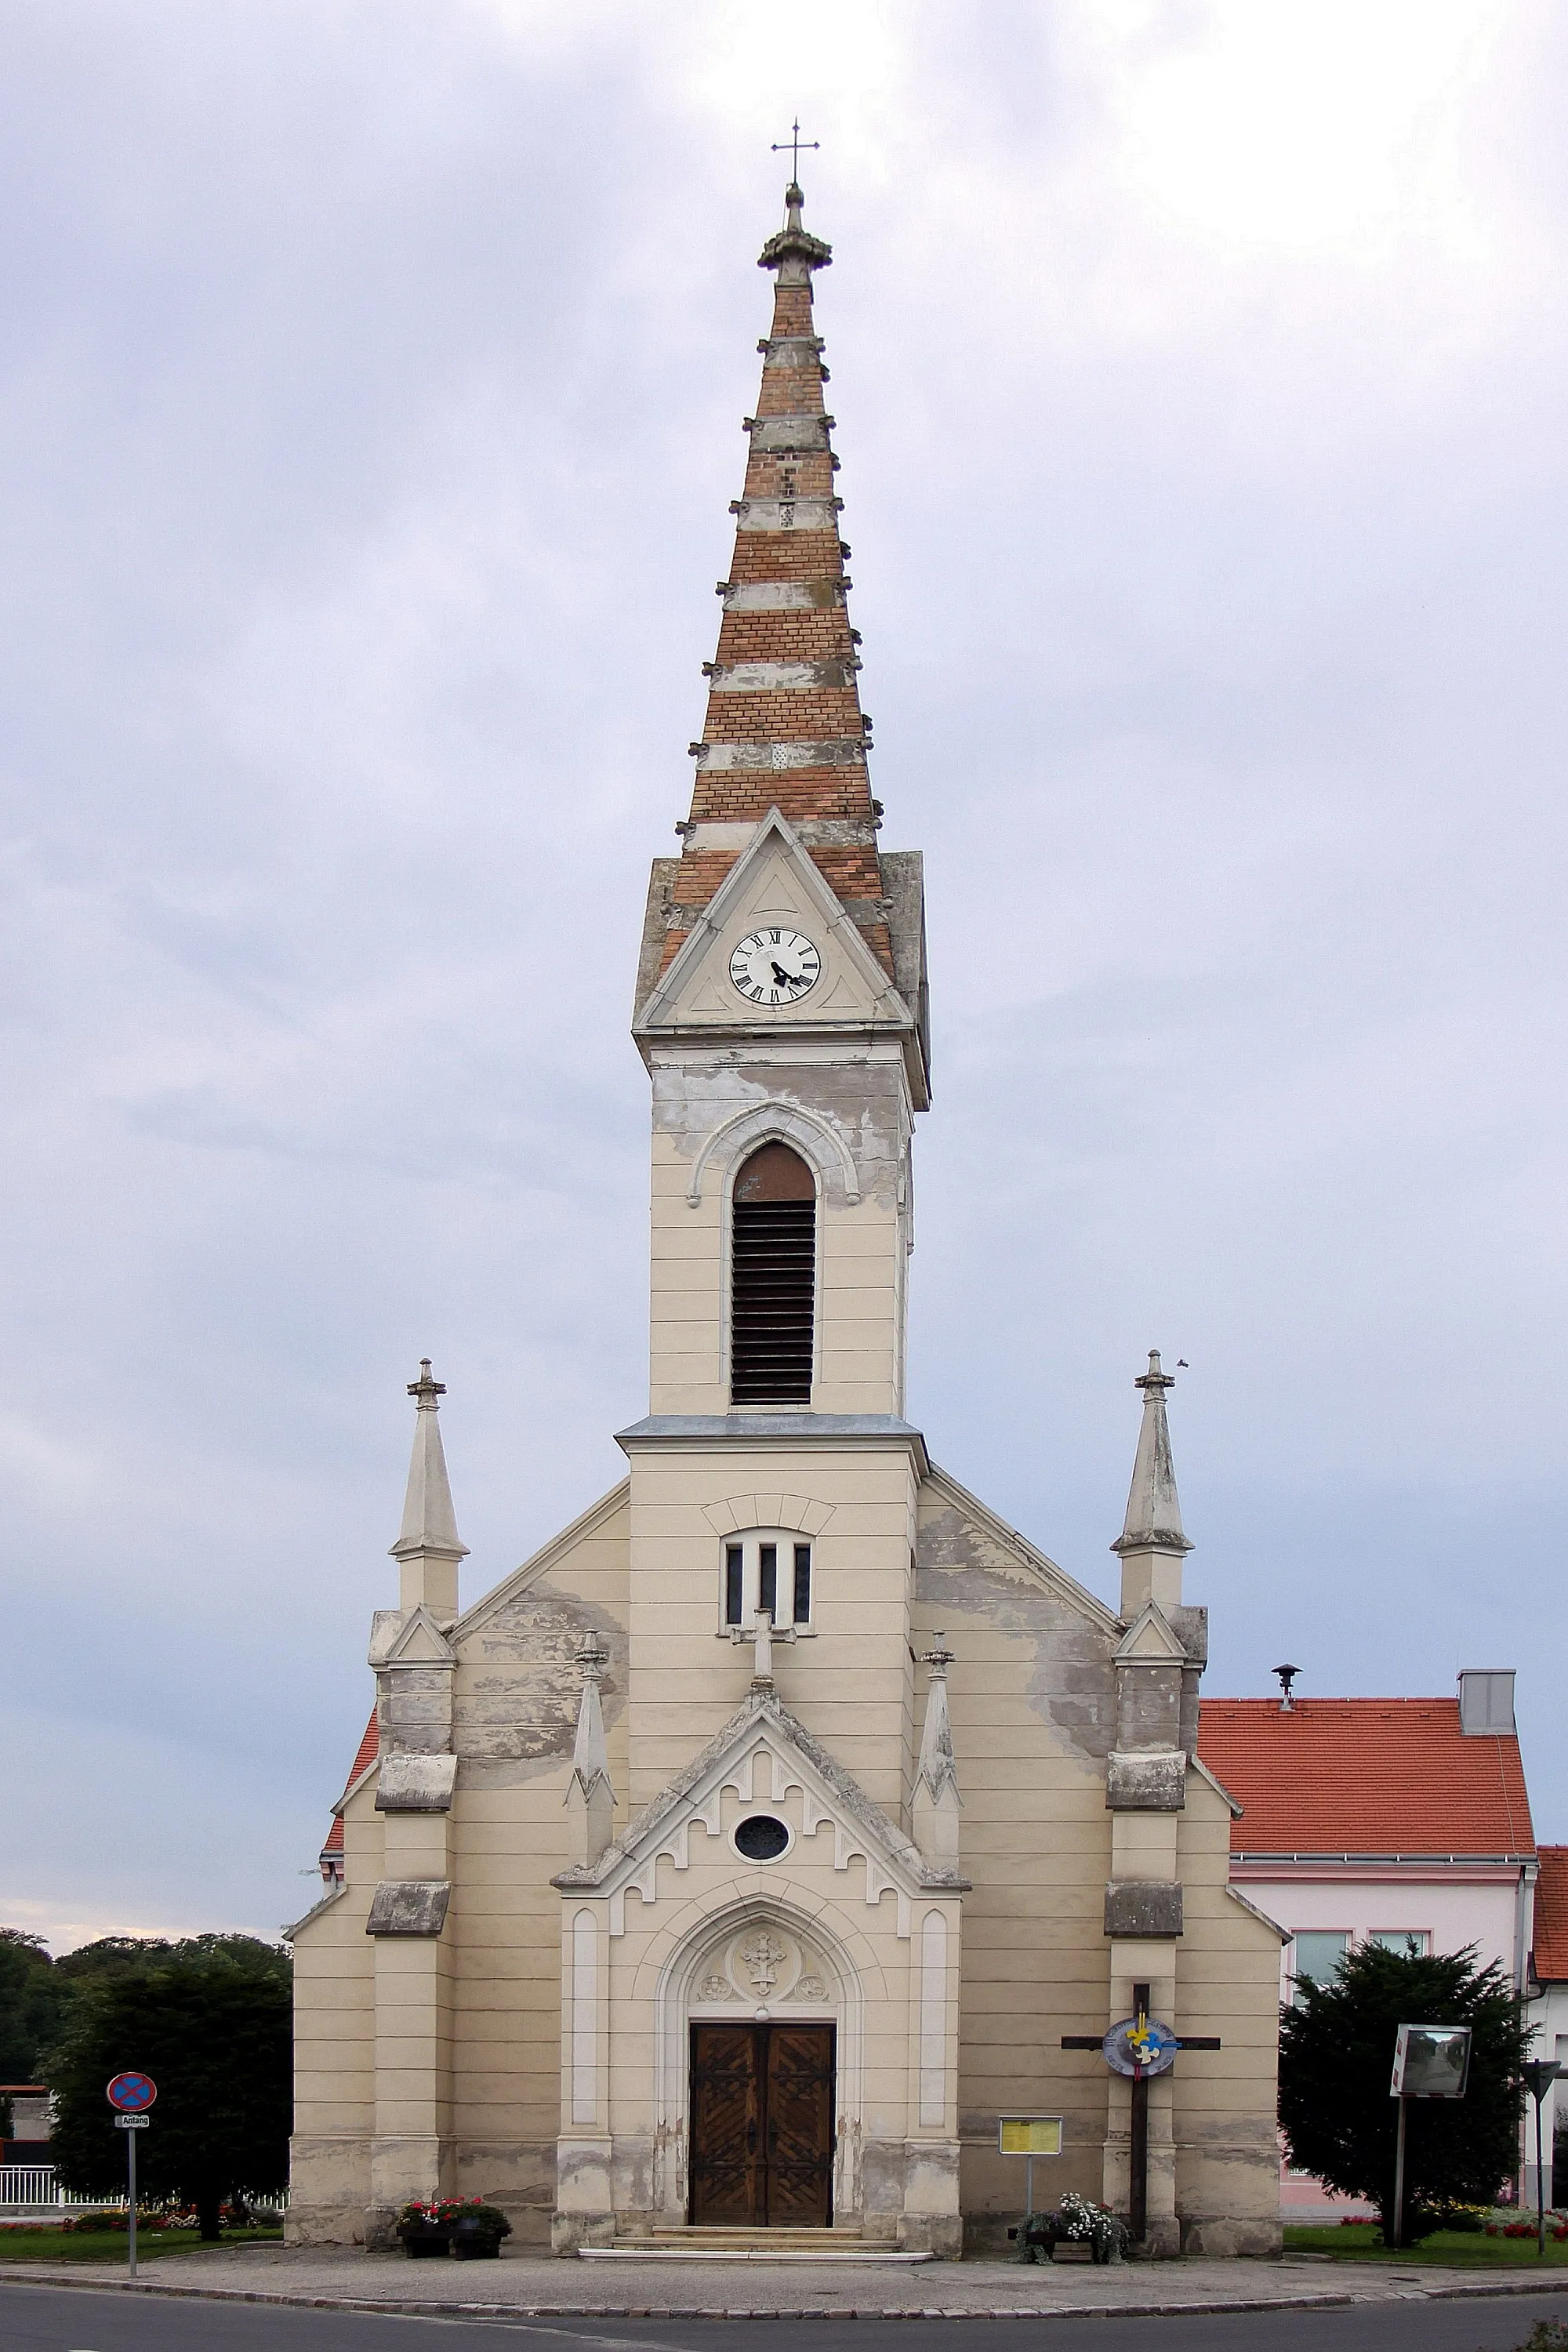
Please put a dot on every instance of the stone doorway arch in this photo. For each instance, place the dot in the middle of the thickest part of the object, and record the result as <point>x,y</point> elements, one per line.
<point>761,1960</point>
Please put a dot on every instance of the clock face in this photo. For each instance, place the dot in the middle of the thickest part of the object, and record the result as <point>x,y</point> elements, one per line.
<point>775,967</point>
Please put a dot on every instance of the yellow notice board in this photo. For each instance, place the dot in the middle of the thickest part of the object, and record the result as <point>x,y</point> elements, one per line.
<point>1030,2136</point>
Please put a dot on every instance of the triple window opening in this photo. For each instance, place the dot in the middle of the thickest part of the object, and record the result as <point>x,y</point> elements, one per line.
<point>771,1572</point>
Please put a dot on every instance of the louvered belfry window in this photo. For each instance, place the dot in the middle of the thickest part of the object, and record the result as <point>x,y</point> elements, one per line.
<point>774,1280</point>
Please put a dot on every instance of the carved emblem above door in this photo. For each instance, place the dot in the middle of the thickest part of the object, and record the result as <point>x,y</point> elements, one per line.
<point>765,1965</point>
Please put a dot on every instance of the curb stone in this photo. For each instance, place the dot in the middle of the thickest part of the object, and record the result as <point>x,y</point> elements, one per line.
<point>405,2310</point>
<point>388,2307</point>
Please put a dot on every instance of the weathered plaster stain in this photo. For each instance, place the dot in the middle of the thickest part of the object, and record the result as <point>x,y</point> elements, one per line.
<point>690,1102</point>
<point>1072,1684</point>
<point>515,1706</point>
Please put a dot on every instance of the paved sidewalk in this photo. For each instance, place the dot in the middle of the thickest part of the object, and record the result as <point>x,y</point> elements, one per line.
<point>530,2285</point>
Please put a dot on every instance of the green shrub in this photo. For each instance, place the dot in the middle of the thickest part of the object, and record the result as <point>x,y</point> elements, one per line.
<point>1336,2048</point>
<point>1469,2219</point>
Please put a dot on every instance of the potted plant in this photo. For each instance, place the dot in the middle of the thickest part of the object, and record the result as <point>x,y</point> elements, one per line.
<point>423,2229</point>
<point>478,2230</point>
<point>1080,2218</point>
<point>1038,2236</point>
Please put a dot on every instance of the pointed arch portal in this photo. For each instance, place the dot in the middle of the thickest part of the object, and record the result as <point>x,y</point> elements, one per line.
<point>759,2031</point>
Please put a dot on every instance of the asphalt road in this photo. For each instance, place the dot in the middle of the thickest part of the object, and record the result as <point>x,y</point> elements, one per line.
<point>67,2319</point>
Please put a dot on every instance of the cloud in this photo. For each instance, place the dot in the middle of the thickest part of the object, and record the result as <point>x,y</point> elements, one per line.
<point>368,425</point>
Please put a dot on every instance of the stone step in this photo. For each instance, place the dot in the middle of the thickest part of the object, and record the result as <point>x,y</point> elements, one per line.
<point>717,2244</point>
<point>734,2234</point>
<point>643,2249</point>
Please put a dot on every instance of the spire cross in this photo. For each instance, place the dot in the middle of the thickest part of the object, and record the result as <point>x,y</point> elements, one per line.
<point>425,1390</point>
<point>794,144</point>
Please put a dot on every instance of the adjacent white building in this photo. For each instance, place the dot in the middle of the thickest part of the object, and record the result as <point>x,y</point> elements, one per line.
<point>1397,1820</point>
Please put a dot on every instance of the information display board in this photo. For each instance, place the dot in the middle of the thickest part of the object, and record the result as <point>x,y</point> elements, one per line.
<point>1030,2135</point>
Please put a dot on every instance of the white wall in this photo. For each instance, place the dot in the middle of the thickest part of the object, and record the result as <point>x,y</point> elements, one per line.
<point>1454,1911</point>
<point>1460,1908</point>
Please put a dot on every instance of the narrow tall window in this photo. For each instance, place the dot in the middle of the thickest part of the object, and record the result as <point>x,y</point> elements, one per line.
<point>734,1586</point>
<point>768,1578</point>
<point>803,1584</point>
<point>772,1279</point>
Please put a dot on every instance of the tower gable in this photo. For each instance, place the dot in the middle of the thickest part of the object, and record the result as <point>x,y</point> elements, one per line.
<point>408,1638</point>
<point>773,884</point>
<point>1150,1641</point>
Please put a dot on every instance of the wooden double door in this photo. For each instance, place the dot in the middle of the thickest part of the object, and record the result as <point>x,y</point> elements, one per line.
<point>762,2125</point>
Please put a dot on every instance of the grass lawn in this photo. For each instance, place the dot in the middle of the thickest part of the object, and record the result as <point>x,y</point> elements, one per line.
<point>108,2245</point>
<point>1458,2249</point>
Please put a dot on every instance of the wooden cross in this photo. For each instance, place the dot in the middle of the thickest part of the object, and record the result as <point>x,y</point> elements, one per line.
<point>794,143</point>
<point>1138,2184</point>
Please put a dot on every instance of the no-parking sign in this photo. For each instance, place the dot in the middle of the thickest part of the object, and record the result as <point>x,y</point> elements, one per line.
<point>132,2093</point>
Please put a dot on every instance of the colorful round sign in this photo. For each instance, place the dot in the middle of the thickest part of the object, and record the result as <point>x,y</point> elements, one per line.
<point>132,2093</point>
<point>1140,2046</point>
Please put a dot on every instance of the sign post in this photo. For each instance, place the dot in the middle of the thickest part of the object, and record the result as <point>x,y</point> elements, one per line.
<point>1029,2136</point>
<point>131,2094</point>
<point>1430,2062</point>
<point>1539,2074</point>
<point>1140,2047</point>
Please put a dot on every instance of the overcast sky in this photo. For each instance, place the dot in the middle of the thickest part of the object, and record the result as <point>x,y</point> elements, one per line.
<point>369,415</point>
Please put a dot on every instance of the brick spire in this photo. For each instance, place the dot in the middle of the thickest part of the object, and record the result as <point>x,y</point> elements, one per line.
<point>784,727</point>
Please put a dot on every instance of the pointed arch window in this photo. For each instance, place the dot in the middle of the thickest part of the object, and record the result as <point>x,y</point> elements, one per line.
<point>773,1279</point>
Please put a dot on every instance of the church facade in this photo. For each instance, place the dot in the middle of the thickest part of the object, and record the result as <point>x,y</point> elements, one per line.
<point>739,1861</point>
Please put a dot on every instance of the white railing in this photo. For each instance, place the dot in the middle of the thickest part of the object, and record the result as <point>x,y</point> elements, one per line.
<point>35,2187</point>
<point>34,2184</point>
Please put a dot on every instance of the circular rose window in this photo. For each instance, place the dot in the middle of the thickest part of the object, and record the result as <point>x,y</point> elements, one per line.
<point>761,1838</point>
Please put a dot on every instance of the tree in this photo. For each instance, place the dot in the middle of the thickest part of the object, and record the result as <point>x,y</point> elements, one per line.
<point>1336,2060</point>
<point>111,1955</point>
<point>210,2020</point>
<point>33,1999</point>
<point>36,1992</point>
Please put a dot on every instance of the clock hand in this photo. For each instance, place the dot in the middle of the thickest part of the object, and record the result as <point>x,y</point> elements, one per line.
<point>784,979</point>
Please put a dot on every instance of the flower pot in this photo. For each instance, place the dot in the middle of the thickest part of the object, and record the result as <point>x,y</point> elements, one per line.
<point>420,2240</point>
<point>1037,2237</point>
<point>476,2237</point>
<point>472,2241</point>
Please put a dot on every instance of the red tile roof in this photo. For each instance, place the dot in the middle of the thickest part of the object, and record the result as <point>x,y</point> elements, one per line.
<point>1551,1916</point>
<point>1365,1776</point>
<point>366,1754</point>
